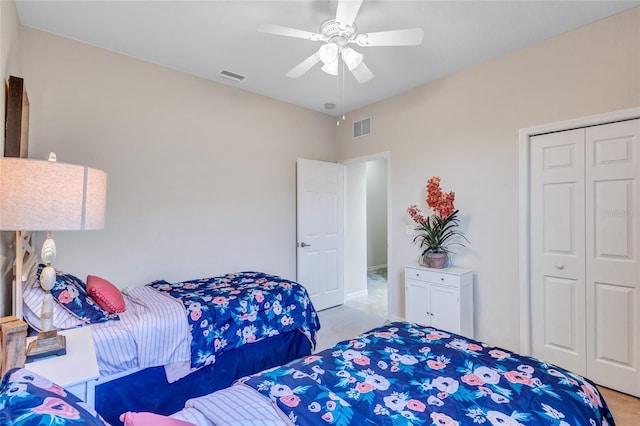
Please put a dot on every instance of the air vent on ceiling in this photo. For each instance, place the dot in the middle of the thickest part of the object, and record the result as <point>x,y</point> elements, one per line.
<point>231,76</point>
<point>362,127</point>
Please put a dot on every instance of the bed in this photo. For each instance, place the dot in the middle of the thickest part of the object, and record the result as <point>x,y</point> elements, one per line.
<point>397,374</point>
<point>405,374</point>
<point>175,341</point>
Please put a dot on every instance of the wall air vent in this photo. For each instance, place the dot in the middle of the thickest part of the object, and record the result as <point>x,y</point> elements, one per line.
<point>362,127</point>
<point>231,76</point>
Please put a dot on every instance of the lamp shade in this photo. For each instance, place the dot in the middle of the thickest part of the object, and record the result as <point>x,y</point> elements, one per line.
<point>38,195</point>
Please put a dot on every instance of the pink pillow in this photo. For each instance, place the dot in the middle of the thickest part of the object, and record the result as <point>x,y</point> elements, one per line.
<point>149,419</point>
<point>106,295</point>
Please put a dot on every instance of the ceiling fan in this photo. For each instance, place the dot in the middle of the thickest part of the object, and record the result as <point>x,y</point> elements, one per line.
<point>337,34</point>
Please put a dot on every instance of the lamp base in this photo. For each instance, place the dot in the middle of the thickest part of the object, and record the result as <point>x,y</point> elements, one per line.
<point>46,344</point>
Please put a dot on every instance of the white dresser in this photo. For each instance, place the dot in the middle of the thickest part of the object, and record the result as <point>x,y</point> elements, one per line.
<point>440,298</point>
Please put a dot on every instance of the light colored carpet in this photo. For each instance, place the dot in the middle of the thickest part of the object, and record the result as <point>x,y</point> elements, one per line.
<point>344,322</point>
<point>359,313</point>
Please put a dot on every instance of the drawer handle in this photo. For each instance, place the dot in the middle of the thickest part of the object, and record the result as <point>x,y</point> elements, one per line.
<point>559,266</point>
<point>441,278</point>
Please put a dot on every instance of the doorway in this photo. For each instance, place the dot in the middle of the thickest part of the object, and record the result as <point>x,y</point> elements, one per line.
<point>366,252</point>
<point>366,234</point>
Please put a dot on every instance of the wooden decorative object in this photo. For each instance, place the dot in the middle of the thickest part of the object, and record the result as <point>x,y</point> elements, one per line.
<point>13,341</point>
<point>16,140</point>
<point>16,144</point>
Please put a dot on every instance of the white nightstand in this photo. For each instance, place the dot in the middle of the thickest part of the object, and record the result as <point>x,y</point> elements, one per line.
<point>75,369</point>
<point>441,298</point>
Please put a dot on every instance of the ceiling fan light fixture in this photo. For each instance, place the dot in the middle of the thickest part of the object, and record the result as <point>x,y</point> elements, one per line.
<point>351,58</point>
<point>328,53</point>
<point>337,34</point>
<point>331,68</point>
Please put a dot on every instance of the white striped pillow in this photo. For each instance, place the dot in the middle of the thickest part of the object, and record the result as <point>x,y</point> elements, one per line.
<point>238,405</point>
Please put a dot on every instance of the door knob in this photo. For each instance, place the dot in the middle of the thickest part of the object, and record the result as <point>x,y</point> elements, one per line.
<point>303,244</point>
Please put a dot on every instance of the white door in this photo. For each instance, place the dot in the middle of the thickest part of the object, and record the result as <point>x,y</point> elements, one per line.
<point>585,242</point>
<point>557,249</point>
<point>320,219</point>
<point>612,265</point>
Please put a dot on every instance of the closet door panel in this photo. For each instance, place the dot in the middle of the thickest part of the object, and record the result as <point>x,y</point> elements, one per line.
<point>560,315</point>
<point>557,255</point>
<point>612,193</point>
<point>613,222</point>
<point>614,316</point>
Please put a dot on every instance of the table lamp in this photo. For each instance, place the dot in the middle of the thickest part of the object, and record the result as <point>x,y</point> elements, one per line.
<point>38,195</point>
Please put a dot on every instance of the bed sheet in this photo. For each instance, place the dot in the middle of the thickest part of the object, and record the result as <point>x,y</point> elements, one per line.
<point>152,331</point>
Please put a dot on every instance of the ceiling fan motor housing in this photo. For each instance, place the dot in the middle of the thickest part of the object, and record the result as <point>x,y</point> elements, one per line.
<point>337,34</point>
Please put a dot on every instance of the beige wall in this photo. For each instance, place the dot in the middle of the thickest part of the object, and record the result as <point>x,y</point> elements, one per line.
<point>355,229</point>
<point>376,213</point>
<point>464,128</point>
<point>201,176</point>
<point>9,65</point>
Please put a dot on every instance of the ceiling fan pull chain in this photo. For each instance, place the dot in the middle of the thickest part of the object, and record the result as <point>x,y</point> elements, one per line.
<point>344,90</point>
<point>340,92</point>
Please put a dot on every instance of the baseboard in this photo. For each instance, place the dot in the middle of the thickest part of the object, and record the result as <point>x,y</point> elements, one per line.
<point>357,293</point>
<point>374,267</point>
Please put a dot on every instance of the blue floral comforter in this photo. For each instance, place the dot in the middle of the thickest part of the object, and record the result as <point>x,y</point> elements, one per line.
<point>228,311</point>
<point>404,374</point>
<point>27,398</point>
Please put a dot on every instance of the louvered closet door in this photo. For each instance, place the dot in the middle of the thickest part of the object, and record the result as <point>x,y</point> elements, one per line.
<point>612,264</point>
<point>557,249</point>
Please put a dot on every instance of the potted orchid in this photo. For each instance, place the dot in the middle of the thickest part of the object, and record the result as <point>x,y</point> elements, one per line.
<point>439,231</point>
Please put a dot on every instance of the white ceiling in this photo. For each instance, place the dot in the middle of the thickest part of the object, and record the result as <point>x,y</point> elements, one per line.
<point>204,37</point>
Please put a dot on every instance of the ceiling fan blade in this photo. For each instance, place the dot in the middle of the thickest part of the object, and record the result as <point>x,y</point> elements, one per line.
<point>362,73</point>
<point>347,11</point>
<point>290,32</point>
<point>409,37</point>
<point>304,66</point>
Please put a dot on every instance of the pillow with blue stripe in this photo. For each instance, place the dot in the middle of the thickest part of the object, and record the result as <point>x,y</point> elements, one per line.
<point>70,292</point>
<point>27,398</point>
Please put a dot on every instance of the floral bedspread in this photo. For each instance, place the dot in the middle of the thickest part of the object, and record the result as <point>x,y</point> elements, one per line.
<point>27,398</point>
<point>404,374</point>
<point>228,311</point>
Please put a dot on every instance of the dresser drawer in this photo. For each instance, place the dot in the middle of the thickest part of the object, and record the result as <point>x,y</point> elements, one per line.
<point>79,390</point>
<point>432,276</point>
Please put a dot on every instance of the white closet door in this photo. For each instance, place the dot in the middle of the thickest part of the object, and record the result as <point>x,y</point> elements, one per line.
<point>612,264</point>
<point>557,249</point>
